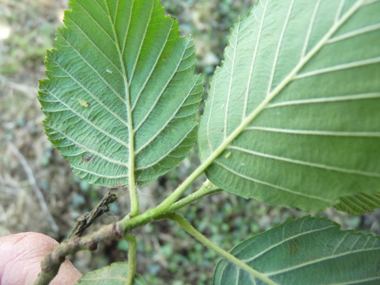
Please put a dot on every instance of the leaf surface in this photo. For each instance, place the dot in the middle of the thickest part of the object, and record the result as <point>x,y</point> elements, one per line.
<point>115,274</point>
<point>293,113</point>
<point>359,204</point>
<point>121,94</point>
<point>306,251</point>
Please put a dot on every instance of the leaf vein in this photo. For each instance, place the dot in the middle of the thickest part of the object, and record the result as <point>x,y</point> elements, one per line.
<point>162,92</point>
<point>107,134</point>
<point>231,79</point>
<point>325,100</point>
<point>167,122</point>
<point>92,95</point>
<point>96,47</point>
<point>279,47</point>
<point>282,242</point>
<point>316,133</point>
<point>339,67</point>
<point>151,71</point>
<point>325,258</point>
<point>141,44</point>
<point>354,33</point>
<point>98,154</point>
<point>307,39</point>
<point>253,59</point>
<point>97,72</point>
<point>167,153</point>
<point>95,21</point>
<point>306,163</point>
<point>271,185</point>
<point>99,174</point>
<point>127,29</point>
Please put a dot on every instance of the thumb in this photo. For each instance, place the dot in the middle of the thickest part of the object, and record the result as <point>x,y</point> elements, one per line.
<point>21,255</point>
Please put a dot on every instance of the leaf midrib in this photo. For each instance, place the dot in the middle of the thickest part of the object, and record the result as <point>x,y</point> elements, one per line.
<point>131,143</point>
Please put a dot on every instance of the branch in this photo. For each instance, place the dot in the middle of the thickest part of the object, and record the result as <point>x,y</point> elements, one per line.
<point>85,220</point>
<point>192,231</point>
<point>53,260</point>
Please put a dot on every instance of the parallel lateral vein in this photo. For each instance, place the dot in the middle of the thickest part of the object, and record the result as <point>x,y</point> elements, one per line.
<point>313,197</point>
<point>284,240</point>
<point>116,10</point>
<point>96,22</point>
<point>151,71</point>
<point>339,67</point>
<point>306,163</point>
<point>96,47</point>
<point>107,134</point>
<point>316,133</point>
<point>310,28</point>
<point>99,174</point>
<point>359,203</point>
<point>354,33</point>
<point>65,135</point>
<point>253,60</point>
<point>353,97</point>
<point>127,29</point>
<point>92,95</point>
<point>163,89</point>
<point>168,121</point>
<point>210,97</point>
<point>279,47</point>
<point>359,281</point>
<point>168,152</point>
<point>141,44</point>
<point>236,36</point>
<point>340,242</point>
<point>304,264</point>
<point>96,71</point>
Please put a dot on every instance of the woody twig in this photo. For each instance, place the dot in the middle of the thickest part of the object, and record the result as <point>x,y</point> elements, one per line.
<point>85,220</point>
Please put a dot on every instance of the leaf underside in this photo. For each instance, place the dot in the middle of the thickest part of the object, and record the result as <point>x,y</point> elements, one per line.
<point>295,105</point>
<point>120,88</point>
<point>306,251</point>
<point>115,274</point>
<point>359,204</point>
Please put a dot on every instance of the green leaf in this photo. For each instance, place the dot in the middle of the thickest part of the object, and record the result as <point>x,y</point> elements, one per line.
<point>121,95</point>
<point>295,105</point>
<point>359,204</point>
<point>114,274</point>
<point>306,251</point>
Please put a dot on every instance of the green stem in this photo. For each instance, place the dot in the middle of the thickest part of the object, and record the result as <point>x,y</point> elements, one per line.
<point>128,224</point>
<point>172,198</point>
<point>192,231</point>
<point>206,189</point>
<point>131,258</point>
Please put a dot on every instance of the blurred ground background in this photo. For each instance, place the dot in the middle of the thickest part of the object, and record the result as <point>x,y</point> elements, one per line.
<point>29,163</point>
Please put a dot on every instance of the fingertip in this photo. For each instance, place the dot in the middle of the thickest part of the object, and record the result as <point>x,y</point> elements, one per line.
<point>21,255</point>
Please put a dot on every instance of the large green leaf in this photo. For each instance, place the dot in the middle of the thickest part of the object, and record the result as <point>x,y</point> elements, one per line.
<point>121,92</point>
<point>359,204</point>
<point>295,105</point>
<point>115,274</point>
<point>306,251</point>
